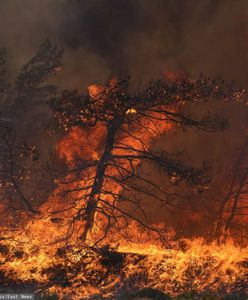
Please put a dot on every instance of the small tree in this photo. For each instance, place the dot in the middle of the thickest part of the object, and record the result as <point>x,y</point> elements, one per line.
<point>13,169</point>
<point>33,75</point>
<point>26,94</point>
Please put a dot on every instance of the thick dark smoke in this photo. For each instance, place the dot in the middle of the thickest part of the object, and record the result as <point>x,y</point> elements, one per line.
<point>144,37</point>
<point>141,37</point>
<point>104,27</point>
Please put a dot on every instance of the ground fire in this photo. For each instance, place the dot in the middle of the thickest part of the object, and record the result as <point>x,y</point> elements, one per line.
<point>80,223</point>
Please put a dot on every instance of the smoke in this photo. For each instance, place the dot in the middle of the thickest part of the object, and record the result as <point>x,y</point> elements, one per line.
<point>142,38</point>
<point>103,27</point>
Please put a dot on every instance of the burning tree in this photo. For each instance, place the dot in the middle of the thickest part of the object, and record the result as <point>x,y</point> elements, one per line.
<point>113,128</point>
<point>109,132</point>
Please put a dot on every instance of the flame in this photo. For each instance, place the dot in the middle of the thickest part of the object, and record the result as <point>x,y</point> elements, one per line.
<point>131,111</point>
<point>137,262</point>
<point>79,272</point>
<point>81,143</point>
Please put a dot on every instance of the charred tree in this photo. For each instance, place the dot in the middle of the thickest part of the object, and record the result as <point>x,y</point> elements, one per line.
<point>123,114</point>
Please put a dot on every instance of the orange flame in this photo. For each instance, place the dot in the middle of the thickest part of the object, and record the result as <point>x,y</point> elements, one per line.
<point>187,266</point>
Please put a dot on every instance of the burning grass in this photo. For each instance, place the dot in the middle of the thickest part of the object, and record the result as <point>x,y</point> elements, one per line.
<point>73,272</point>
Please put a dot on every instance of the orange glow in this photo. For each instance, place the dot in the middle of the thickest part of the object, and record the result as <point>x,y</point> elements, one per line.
<point>81,143</point>
<point>174,75</point>
<point>95,90</point>
<point>49,246</point>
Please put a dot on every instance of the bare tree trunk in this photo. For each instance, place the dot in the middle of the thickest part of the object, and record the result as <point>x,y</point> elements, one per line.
<point>93,201</point>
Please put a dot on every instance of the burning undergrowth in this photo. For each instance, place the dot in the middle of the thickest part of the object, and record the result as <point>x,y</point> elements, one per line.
<point>93,235</point>
<point>74,272</point>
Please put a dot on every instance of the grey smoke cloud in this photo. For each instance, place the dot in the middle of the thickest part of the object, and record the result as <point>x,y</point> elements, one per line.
<point>140,37</point>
